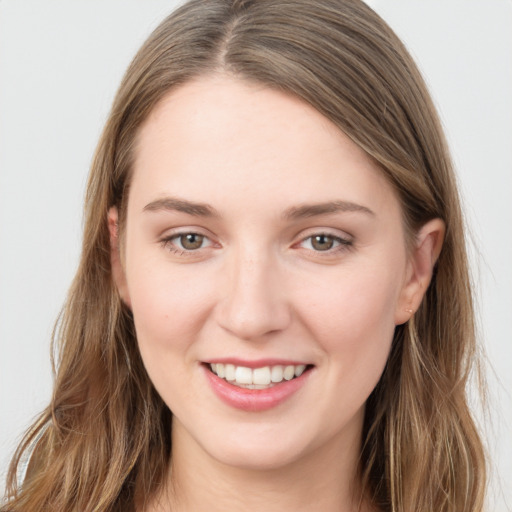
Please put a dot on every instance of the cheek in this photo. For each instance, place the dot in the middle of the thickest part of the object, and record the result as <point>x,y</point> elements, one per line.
<point>353,320</point>
<point>168,307</point>
<point>169,310</point>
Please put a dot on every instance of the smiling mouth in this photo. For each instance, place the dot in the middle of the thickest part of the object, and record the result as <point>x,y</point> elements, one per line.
<point>257,378</point>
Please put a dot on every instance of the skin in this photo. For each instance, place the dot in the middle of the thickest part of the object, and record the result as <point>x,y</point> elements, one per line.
<point>257,287</point>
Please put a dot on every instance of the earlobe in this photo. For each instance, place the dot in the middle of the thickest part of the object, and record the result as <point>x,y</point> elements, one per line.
<point>423,258</point>
<point>118,273</point>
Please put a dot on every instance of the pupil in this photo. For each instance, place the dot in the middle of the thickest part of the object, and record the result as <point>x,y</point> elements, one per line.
<point>322,242</point>
<point>191,241</point>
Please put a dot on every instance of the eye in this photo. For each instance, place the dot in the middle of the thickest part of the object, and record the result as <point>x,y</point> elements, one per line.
<point>186,242</point>
<point>191,241</point>
<point>323,242</point>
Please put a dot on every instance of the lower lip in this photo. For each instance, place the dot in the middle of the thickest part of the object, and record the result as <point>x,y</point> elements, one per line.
<point>254,400</point>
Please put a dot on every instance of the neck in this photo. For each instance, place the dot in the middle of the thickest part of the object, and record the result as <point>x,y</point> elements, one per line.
<point>327,477</point>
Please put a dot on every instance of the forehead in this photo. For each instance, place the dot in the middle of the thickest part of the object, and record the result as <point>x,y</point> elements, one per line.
<point>218,137</point>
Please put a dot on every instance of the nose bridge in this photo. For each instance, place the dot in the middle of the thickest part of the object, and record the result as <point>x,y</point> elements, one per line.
<point>254,301</point>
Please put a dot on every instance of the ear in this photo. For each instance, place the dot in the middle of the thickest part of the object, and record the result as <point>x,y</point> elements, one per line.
<point>118,273</point>
<point>426,250</point>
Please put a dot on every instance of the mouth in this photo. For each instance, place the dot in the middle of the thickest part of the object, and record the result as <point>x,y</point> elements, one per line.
<point>256,386</point>
<point>264,377</point>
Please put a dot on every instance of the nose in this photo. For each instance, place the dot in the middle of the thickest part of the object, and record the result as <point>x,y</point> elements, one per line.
<point>254,303</point>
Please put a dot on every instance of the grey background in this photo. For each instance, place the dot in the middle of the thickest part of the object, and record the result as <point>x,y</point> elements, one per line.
<point>60,63</point>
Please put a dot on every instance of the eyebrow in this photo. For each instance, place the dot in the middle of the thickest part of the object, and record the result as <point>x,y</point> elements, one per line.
<point>313,210</point>
<point>181,205</point>
<point>293,213</point>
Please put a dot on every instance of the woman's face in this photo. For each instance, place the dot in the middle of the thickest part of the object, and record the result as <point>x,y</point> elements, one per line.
<point>260,240</point>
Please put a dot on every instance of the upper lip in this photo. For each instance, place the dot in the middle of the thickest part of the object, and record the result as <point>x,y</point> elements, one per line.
<point>256,363</point>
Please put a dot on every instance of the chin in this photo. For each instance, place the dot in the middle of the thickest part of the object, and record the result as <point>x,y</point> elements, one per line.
<point>257,458</point>
<point>259,451</point>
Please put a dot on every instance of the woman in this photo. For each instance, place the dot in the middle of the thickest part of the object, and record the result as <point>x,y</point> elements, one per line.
<point>273,251</point>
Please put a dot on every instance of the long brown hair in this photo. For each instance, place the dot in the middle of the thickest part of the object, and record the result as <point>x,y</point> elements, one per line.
<point>103,443</point>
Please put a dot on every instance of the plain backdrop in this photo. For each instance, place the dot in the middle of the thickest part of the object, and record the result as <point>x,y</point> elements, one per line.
<point>60,64</point>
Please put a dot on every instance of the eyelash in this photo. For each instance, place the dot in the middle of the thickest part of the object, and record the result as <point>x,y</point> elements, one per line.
<point>170,241</point>
<point>341,244</point>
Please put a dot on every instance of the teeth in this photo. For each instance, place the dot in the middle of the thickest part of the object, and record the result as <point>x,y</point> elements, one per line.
<point>261,376</point>
<point>220,370</point>
<point>243,375</point>
<point>289,372</point>
<point>276,374</point>
<point>257,378</point>
<point>229,371</point>
<point>299,370</point>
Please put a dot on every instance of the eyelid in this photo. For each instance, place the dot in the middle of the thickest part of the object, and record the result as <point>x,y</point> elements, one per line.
<point>185,230</point>
<point>343,239</point>
<point>166,240</point>
<point>315,231</point>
